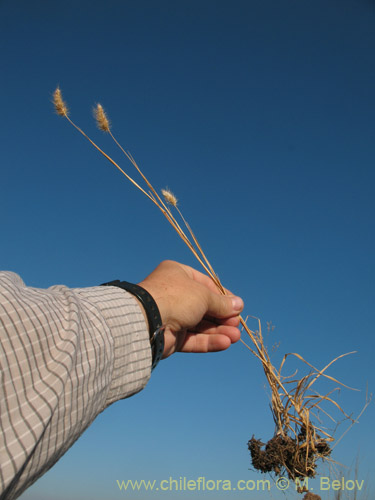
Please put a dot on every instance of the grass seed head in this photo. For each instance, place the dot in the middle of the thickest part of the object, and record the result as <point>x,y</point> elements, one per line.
<point>169,197</point>
<point>60,106</point>
<point>101,118</point>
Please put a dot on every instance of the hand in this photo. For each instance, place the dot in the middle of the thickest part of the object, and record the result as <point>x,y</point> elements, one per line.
<point>197,317</point>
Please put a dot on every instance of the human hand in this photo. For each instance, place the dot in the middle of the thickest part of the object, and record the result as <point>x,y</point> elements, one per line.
<point>196,316</point>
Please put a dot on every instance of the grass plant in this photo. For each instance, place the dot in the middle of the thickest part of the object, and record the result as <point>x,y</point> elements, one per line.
<point>299,438</point>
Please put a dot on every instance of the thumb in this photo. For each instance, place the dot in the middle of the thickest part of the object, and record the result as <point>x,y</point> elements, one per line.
<point>224,306</point>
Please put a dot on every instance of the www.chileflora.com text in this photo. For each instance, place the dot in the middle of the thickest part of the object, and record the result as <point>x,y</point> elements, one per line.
<point>204,484</point>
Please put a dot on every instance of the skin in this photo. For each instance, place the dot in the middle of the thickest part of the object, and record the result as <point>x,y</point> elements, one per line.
<point>196,316</point>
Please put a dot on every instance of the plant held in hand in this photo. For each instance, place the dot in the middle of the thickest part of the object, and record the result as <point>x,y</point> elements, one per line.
<point>299,439</point>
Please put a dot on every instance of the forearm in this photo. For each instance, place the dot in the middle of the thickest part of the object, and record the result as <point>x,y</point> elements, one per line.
<point>66,354</point>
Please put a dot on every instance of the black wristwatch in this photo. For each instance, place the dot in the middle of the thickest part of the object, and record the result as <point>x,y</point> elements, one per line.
<point>153,317</point>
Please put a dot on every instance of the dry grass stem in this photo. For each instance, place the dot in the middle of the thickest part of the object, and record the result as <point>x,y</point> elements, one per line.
<point>298,440</point>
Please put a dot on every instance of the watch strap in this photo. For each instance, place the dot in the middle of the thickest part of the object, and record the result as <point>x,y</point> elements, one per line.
<point>153,316</point>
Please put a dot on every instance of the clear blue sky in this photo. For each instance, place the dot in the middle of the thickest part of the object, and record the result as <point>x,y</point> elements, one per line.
<point>259,115</point>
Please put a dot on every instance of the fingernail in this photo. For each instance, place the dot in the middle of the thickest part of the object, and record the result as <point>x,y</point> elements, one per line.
<point>237,303</point>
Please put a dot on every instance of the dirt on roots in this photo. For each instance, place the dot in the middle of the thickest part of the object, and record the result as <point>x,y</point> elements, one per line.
<point>311,496</point>
<point>283,455</point>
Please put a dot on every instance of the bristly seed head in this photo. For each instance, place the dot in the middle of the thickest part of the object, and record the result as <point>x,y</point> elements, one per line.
<point>60,106</point>
<point>101,118</point>
<point>169,197</point>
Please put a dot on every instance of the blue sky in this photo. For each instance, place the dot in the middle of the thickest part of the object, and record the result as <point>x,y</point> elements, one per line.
<point>259,115</point>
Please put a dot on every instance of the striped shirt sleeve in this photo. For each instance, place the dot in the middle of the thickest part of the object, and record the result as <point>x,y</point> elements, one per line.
<point>65,355</point>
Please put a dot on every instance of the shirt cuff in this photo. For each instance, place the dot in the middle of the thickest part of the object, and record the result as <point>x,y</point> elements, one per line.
<point>129,336</point>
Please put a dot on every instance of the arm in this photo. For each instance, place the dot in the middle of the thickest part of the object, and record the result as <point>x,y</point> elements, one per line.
<point>66,354</point>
